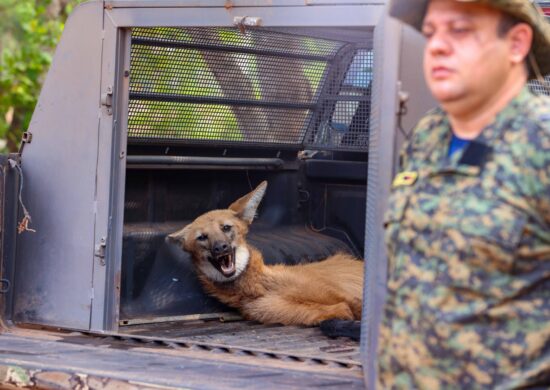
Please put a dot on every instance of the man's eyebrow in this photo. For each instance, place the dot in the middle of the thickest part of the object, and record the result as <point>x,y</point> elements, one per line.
<point>463,18</point>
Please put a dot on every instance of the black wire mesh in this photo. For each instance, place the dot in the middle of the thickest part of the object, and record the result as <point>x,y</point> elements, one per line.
<point>204,123</point>
<point>233,38</point>
<point>185,72</point>
<point>343,122</point>
<point>201,85</point>
<point>540,88</point>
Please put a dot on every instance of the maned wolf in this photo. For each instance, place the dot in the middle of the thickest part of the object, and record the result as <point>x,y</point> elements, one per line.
<point>234,272</point>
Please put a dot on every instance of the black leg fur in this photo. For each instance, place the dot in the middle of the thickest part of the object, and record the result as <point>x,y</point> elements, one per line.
<point>341,328</point>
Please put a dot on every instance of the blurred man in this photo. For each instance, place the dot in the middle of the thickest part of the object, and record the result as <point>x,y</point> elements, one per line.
<point>468,225</point>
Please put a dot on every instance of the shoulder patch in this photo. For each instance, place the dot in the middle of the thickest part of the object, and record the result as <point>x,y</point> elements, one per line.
<point>405,179</point>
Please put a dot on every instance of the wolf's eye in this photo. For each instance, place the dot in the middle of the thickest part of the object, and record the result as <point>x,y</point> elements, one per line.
<point>202,237</point>
<point>226,228</point>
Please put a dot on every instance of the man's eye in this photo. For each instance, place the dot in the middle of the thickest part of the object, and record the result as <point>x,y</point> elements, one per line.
<point>427,33</point>
<point>226,228</point>
<point>459,30</point>
<point>202,237</point>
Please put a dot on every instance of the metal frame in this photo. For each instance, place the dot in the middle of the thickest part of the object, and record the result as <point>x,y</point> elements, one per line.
<point>208,100</point>
<point>53,266</point>
<point>231,3</point>
<point>395,71</point>
<point>184,45</point>
<point>68,273</point>
<point>283,13</point>
<point>182,13</point>
<point>105,309</point>
<point>9,189</point>
<point>380,171</point>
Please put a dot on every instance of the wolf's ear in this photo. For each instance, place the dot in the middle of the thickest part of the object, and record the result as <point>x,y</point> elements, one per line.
<point>246,206</point>
<point>178,237</point>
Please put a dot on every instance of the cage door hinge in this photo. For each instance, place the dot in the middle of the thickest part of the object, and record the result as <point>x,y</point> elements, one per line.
<point>100,250</point>
<point>107,99</point>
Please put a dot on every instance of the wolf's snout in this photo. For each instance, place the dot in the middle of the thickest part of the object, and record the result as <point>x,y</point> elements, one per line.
<point>223,258</point>
<point>219,248</point>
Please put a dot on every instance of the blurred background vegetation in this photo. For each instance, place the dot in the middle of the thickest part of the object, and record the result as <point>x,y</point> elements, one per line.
<point>29,32</point>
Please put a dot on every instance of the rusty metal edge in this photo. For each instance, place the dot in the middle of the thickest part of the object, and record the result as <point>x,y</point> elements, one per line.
<point>18,376</point>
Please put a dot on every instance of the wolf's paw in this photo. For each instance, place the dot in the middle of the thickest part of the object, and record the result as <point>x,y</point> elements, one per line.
<point>340,311</point>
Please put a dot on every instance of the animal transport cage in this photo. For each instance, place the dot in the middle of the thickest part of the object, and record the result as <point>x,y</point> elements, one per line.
<point>155,111</point>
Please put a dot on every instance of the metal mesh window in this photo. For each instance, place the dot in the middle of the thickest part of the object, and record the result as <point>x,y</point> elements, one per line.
<point>538,88</point>
<point>343,120</point>
<point>200,85</point>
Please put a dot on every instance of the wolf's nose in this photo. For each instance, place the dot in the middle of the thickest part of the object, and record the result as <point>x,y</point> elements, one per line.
<point>220,247</point>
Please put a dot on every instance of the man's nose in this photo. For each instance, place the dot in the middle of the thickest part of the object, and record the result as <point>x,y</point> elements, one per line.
<point>220,247</point>
<point>438,43</point>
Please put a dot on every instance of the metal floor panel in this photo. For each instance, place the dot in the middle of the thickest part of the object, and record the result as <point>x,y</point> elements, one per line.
<point>67,360</point>
<point>282,340</point>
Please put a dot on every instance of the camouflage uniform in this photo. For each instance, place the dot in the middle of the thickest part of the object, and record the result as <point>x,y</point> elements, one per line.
<point>468,302</point>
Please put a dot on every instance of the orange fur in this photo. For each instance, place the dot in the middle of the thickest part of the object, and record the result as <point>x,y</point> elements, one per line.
<point>304,294</point>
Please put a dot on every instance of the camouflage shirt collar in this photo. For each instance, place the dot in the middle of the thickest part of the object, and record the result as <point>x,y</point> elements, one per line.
<point>495,130</point>
<point>504,118</point>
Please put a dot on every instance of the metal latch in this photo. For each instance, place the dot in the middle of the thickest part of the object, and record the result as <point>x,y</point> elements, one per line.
<point>100,250</point>
<point>4,286</point>
<point>25,139</point>
<point>107,99</point>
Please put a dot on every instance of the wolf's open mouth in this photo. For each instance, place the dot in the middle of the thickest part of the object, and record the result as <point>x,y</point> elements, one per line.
<point>225,263</point>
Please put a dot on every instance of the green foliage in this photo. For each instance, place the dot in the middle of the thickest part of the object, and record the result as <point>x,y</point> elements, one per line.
<point>29,31</point>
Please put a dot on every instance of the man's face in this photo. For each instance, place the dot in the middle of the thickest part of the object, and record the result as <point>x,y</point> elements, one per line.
<point>464,58</point>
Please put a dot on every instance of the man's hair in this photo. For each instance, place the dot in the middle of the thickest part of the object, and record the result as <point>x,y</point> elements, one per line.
<point>506,23</point>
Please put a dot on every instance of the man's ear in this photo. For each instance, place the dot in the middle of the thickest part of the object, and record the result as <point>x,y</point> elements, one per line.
<point>521,39</point>
<point>178,237</point>
<point>246,206</point>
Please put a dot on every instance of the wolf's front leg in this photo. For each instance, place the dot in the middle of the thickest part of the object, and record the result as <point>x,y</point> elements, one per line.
<point>292,311</point>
